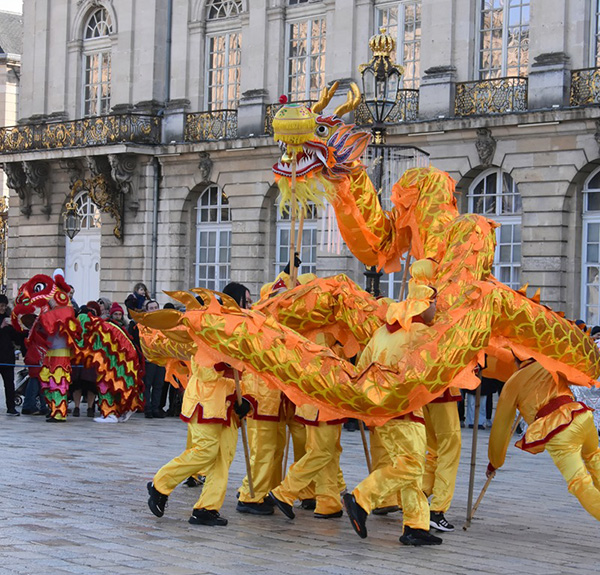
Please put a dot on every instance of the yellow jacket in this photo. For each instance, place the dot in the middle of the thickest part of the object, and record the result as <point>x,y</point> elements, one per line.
<point>547,406</point>
<point>208,397</point>
<point>266,402</point>
<point>388,348</point>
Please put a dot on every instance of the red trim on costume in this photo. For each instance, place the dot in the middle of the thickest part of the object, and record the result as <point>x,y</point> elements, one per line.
<point>447,397</point>
<point>411,417</point>
<point>553,405</point>
<point>226,369</point>
<point>394,327</point>
<point>490,468</point>
<point>198,414</point>
<point>258,417</point>
<point>526,446</point>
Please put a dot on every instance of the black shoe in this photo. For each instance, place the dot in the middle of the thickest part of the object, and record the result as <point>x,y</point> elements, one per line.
<point>12,412</point>
<point>385,510</point>
<point>160,414</point>
<point>75,412</point>
<point>439,522</point>
<point>207,517</point>
<point>333,515</point>
<point>418,537</point>
<point>357,515</point>
<point>268,500</point>
<point>255,508</point>
<point>157,501</point>
<point>480,426</point>
<point>91,411</point>
<point>285,508</point>
<point>55,419</point>
<point>308,504</point>
<point>470,426</point>
<point>148,415</point>
<point>26,411</point>
<point>193,482</point>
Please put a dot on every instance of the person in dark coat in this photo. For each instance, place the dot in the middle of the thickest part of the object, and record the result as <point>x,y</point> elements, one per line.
<point>8,339</point>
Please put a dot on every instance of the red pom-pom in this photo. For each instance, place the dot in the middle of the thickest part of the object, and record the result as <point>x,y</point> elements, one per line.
<point>283,99</point>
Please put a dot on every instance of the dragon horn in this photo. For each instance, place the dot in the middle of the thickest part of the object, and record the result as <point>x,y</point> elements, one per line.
<point>351,103</point>
<point>325,98</point>
<point>184,297</point>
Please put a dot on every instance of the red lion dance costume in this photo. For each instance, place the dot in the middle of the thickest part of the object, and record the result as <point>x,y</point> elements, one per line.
<point>43,307</point>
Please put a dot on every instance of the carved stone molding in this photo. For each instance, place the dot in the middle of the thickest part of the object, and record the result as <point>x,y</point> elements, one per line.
<point>205,166</point>
<point>125,177</point>
<point>74,167</point>
<point>36,174</point>
<point>596,135</point>
<point>485,146</point>
<point>17,181</point>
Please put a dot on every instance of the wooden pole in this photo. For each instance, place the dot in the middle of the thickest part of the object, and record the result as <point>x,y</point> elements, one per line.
<point>473,458</point>
<point>238,391</point>
<point>405,274</point>
<point>287,451</point>
<point>293,271</point>
<point>363,435</point>
<point>489,479</point>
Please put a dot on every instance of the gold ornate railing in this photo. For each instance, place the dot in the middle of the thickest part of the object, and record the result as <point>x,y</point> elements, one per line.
<point>97,131</point>
<point>406,109</point>
<point>272,109</point>
<point>585,87</point>
<point>498,96</point>
<point>213,125</point>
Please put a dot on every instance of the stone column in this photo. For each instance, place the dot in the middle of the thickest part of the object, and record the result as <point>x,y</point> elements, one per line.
<point>173,124</point>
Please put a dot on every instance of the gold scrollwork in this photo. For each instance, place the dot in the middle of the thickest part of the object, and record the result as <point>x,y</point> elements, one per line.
<point>107,200</point>
<point>210,126</point>
<point>585,87</point>
<point>496,96</point>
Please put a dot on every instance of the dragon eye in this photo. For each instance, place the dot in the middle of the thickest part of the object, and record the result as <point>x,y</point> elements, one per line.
<point>38,287</point>
<point>322,131</point>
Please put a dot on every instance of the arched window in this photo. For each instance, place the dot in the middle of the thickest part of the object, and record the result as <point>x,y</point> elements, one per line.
<point>88,212</point>
<point>223,55</point>
<point>308,251</point>
<point>97,63</point>
<point>213,240</point>
<point>590,272</point>
<point>495,195</point>
<point>503,38</point>
<point>402,20</point>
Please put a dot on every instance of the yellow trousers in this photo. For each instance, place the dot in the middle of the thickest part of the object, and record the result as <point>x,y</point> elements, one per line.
<point>320,464</point>
<point>380,458</point>
<point>442,426</point>
<point>405,443</point>
<point>211,453</point>
<point>298,439</point>
<point>576,453</point>
<point>267,443</point>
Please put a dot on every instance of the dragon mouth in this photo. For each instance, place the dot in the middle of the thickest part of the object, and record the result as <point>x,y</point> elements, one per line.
<point>312,157</point>
<point>27,320</point>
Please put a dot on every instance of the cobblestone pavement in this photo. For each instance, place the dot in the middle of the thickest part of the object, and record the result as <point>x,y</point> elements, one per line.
<point>74,501</point>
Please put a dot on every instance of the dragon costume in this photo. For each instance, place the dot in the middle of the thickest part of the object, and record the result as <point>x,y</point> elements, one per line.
<point>476,314</point>
<point>43,308</point>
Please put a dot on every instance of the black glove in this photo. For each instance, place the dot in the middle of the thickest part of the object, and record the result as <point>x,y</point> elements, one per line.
<point>242,409</point>
<point>297,264</point>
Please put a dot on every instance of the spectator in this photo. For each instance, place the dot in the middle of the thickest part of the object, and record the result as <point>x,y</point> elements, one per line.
<point>104,304</point>
<point>116,316</point>
<point>154,378</point>
<point>8,338</point>
<point>137,299</point>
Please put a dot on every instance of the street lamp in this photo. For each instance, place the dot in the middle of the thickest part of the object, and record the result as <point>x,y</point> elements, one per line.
<point>71,219</point>
<point>381,82</point>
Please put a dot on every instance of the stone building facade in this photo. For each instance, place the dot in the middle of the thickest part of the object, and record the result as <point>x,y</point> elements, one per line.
<point>157,114</point>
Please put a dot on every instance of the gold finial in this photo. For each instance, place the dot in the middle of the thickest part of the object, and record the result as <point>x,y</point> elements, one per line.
<point>382,44</point>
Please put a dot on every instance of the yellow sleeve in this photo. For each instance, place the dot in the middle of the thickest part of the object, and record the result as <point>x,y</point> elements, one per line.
<point>506,409</point>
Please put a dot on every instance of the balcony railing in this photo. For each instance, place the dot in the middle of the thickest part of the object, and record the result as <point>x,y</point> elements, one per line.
<point>97,131</point>
<point>406,109</point>
<point>210,126</point>
<point>272,109</point>
<point>498,96</point>
<point>585,87</point>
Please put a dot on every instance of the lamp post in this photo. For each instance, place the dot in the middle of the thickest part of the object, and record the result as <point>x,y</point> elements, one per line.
<point>380,83</point>
<point>71,219</point>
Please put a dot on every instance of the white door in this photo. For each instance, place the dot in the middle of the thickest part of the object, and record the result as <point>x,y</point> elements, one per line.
<point>82,255</point>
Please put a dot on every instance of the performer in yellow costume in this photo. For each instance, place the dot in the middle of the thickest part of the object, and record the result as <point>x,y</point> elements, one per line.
<point>557,423</point>
<point>403,437</point>
<point>320,464</point>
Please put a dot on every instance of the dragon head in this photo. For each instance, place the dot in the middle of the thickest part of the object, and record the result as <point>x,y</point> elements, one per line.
<point>330,148</point>
<point>34,299</point>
